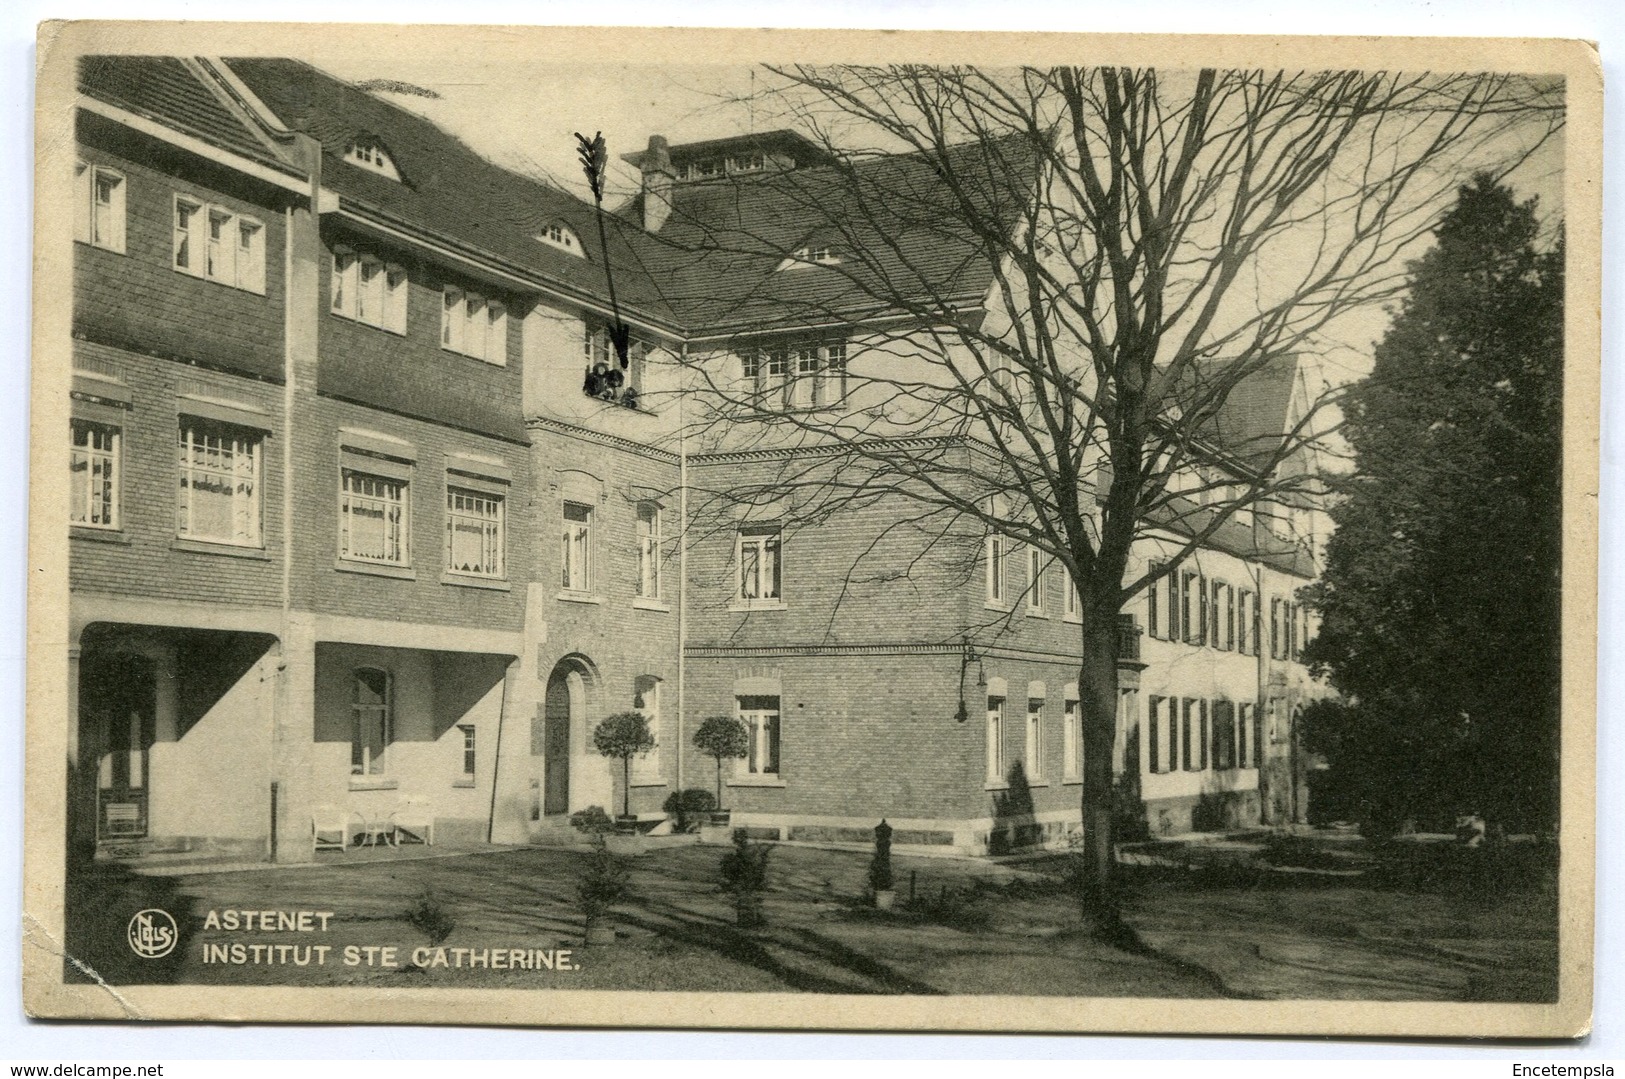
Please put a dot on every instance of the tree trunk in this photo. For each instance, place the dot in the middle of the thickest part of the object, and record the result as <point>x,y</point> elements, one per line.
<point>1097,698</point>
<point>719,784</point>
<point>626,786</point>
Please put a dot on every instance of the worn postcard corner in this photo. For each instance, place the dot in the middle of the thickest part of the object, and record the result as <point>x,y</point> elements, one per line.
<point>811,530</point>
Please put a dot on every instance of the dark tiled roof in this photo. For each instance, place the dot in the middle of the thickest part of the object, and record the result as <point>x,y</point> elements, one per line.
<point>1252,420</point>
<point>891,221</point>
<point>447,189</point>
<point>162,88</point>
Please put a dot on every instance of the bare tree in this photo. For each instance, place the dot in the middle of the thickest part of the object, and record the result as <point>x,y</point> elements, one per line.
<point>1054,280</point>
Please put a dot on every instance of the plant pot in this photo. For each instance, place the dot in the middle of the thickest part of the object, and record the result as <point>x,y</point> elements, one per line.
<point>601,934</point>
<point>884,898</point>
<point>625,843</point>
<point>716,835</point>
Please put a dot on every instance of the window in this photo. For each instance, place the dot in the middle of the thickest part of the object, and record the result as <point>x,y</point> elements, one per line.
<point>1035,581</point>
<point>760,571</point>
<point>371,155</point>
<point>474,542</point>
<point>98,216</point>
<point>467,731</point>
<point>93,475</point>
<point>1292,641</point>
<point>369,290</point>
<point>562,236</point>
<point>1163,746</point>
<point>995,739</point>
<point>1224,734</point>
<point>649,551</point>
<point>646,702</point>
<point>1193,735</point>
<point>473,325</point>
<point>1193,607</point>
<point>761,718</point>
<point>1246,630</point>
<point>810,375</point>
<point>372,722</point>
<point>994,554</point>
<point>219,484</point>
<point>1252,754</point>
<point>218,244</point>
<point>811,255</point>
<point>1035,740</point>
<point>1275,629</point>
<point>576,550</point>
<point>1071,610</point>
<point>374,519</point>
<point>1071,742</point>
<point>747,163</point>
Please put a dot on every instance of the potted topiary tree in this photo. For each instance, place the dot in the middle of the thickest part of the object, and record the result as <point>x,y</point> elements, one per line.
<point>602,885</point>
<point>688,808</point>
<point>721,738</point>
<point>623,736</point>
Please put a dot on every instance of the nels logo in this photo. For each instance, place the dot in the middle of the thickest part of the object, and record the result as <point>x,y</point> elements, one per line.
<point>152,933</point>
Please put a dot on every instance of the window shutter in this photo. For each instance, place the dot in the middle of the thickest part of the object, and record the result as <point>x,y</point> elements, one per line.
<point>81,195</point>
<point>1152,615</point>
<point>1202,713</point>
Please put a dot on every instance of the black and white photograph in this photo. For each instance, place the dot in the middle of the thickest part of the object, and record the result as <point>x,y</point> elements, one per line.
<point>805,530</point>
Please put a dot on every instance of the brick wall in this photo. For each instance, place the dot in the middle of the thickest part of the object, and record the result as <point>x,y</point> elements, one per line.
<point>138,301</point>
<point>319,585</point>
<point>142,557</point>
<point>411,373</point>
<point>621,639</point>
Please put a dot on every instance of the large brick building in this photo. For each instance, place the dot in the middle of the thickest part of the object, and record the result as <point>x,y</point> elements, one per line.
<point>350,543</point>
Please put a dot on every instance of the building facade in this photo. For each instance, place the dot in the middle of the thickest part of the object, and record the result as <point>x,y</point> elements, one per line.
<point>353,545</point>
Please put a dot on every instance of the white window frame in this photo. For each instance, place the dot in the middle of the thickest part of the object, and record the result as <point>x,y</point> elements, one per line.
<point>576,569</point>
<point>91,224</point>
<point>386,307</point>
<point>766,582</point>
<point>558,234</point>
<point>210,244</point>
<point>487,511</point>
<point>470,751</point>
<point>1071,741</point>
<point>646,766</point>
<point>765,755</point>
<point>362,762</point>
<point>650,552</point>
<point>236,456</point>
<point>1071,607</point>
<point>104,474</point>
<point>993,557</point>
<point>390,493</point>
<point>373,157</point>
<point>995,740</point>
<point>1035,740</point>
<point>474,325</point>
<point>1035,583</point>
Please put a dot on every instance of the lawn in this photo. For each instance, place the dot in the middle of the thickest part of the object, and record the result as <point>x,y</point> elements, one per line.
<point>974,927</point>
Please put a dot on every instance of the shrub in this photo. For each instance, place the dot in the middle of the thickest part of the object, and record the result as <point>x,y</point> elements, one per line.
<point>430,917</point>
<point>880,875</point>
<point>722,738</point>
<point>592,820</point>
<point>959,909</point>
<point>623,736</point>
<point>603,883</point>
<point>744,877</point>
<point>688,806</point>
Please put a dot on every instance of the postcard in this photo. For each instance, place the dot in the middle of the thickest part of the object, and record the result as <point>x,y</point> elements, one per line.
<point>778,529</point>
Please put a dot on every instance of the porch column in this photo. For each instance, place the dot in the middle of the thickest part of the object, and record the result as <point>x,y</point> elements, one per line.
<point>81,770</point>
<point>293,735</point>
<point>521,696</point>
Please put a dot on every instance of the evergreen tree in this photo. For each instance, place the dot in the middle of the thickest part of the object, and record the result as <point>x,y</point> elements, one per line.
<point>1440,603</point>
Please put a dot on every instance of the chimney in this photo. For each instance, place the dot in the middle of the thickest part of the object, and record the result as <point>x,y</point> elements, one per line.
<point>658,177</point>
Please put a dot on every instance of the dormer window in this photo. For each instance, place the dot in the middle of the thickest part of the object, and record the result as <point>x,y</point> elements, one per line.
<point>703,169</point>
<point>747,163</point>
<point>563,237</point>
<point>371,155</point>
<point>803,257</point>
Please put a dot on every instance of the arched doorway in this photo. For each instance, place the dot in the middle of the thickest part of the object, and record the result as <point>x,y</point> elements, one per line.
<point>570,688</point>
